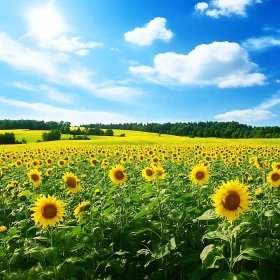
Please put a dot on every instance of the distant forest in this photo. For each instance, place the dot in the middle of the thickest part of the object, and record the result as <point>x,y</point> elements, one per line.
<point>190,129</point>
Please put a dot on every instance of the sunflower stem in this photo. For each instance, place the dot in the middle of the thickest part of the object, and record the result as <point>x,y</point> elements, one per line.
<point>231,264</point>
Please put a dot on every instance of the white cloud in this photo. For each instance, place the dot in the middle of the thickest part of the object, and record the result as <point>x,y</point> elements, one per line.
<point>115,49</point>
<point>217,8</point>
<point>200,7</point>
<point>247,115</point>
<point>56,68</point>
<point>47,91</point>
<point>255,114</point>
<point>76,117</point>
<point>154,30</point>
<point>223,64</point>
<point>254,44</point>
<point>275,100</point>
<point>82,52</point>
<point>73,44</point>
<point>277,81</point>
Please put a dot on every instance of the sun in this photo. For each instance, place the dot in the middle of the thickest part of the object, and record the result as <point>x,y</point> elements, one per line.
<point>45,22</point>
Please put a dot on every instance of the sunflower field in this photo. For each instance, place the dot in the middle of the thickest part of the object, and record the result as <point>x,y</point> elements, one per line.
<point>140,212</point>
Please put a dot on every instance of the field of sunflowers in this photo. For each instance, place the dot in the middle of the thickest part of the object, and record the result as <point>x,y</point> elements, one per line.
<point>140,212</point>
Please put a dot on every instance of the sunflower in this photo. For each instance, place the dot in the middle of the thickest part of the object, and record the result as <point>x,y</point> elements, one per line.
<point>93,161</point>
<point>61,162</point>
<point>3,228</point>
<point>49,161</point>
<point>199,174</point>
<point>48,211</point>
<point>80,208</point>
<point>160,172</point>
<point>231,199</point>
<point>258,192</point>
<point>71,182</point>
<point>35,177</point>
<point>117,174</point>
<point>276,165</point>
<point>49,171</point>
<point>148,173</point>
<point>18,163</point>
<point>273,178</point>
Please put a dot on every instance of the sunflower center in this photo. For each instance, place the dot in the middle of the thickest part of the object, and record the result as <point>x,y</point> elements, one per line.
<point>94,162</point>
<point>199,175</point>
<point>119,175</point>
<point>278,166</point>
<point>18,163</point>
<point>49,211</point>
<point>149,172</point>
<point>71,182</point>
<point>35,177</point>
<point>275,177</point>
<point>231,201</point>
<point>49,161</point>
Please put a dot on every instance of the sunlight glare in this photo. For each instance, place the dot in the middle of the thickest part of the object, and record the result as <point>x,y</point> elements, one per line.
<point>45,22</point>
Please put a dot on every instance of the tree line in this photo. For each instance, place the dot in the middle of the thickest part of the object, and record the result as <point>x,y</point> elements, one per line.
<point>190,129</point>
<point>35,125</point>
<point>199,129</point>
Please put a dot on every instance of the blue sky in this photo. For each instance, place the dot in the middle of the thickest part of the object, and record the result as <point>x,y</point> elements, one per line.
<point>116,61</point>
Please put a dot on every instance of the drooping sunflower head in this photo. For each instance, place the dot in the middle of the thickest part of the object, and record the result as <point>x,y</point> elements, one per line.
<point>199,174</point>
<point>273,178</point>
<point>148,173</point>
<point>48,211</point>
<point>71,182</point>
<point>80,208</point>
<point>231,199</point>
<point>117,174</point>
<point>35,177</point>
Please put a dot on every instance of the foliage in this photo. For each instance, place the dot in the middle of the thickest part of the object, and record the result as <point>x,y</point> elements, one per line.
<point>199,129</point>
<point>160,229</point>
<point>54,134</point>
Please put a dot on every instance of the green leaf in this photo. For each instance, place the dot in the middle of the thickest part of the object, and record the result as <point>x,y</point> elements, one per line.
<point>269,213</point>
<point>144,212</point>
<point>121,253</point>
<point>135,197</point>
<point>209,256</point>
<point>208,215</point>
<point>216,235</point>
<point>224,275</point>
<point>255,253</point>
<point>51,254</point>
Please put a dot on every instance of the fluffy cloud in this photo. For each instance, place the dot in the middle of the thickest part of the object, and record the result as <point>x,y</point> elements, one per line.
<point>201,7</point>
<point>275,100</point>
<point>256,114</point>
<point>277,81</point>
<point>254,44</point>
<point>47,112</point>
<point>56,68</point>
<point>247,115</point>
<point>154,30</point>
<point>223,64</point>
<point>73,44</point>
<point>217,8</point>
<point>47,91</point>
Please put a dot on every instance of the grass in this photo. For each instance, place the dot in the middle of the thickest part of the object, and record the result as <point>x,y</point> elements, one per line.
<point>137,137</point>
